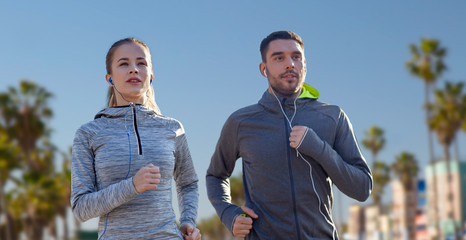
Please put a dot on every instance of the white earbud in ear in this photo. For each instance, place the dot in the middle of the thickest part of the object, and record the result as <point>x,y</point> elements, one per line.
<point>265,74</point>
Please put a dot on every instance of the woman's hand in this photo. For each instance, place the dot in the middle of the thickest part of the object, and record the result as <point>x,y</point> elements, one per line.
<point>190,233</point>
<point>147,178</point>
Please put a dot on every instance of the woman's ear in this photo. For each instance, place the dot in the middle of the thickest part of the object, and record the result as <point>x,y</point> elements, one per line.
<point>108,77</point>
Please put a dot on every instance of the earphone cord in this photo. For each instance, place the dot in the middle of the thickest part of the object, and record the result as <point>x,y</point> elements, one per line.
<point>127,99</point>
<point>334,232</point>
<point>131,105</point>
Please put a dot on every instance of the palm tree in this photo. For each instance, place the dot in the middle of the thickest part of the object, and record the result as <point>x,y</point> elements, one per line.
<point>374,141</point>
<point>427,64</point>
<point>9,153</point>
<point>29,113</point>
<point>381,177</point>
<point>24,113</point>
<point>448,114</point>
<point>8,162</point>
<point>34,199</point>
<point>63,184</point>
<point>406,169</point>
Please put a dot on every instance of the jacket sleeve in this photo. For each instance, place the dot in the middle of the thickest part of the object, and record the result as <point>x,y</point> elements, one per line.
<point>186,180</point>
<point>86,201</point>
<point>219,172</point>
<point>344,163</point>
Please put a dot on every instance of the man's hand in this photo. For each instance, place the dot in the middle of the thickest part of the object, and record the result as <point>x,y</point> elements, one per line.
<point>242,224</point>
<point>296,135</point>
<point>147,178</point>
<point>189,232</point>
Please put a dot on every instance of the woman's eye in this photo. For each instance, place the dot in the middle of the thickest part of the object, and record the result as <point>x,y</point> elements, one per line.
<point>123,64</point>
<point>142,64</point>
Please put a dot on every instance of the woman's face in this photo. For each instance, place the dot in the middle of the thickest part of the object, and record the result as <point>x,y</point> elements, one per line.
<point>131,73</point>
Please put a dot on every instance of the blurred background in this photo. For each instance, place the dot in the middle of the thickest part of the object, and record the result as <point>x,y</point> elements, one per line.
<point>396,68</point>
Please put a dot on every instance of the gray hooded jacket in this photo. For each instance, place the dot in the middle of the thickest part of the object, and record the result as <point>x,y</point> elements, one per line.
<point>107,153</point>
<point>278,184</point>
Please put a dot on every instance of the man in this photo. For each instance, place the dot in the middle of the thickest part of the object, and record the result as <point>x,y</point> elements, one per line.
<point>293,147</point>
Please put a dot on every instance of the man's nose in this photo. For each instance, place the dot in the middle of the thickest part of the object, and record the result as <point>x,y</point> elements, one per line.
<point>289,63</point>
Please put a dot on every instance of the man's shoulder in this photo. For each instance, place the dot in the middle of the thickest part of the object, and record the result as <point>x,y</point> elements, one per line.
<point>246,111</point>
<point>330,110</point>
<point>323,106</point>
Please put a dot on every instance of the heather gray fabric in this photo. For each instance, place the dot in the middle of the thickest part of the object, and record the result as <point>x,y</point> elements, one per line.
<point>100,163</point>
<point>277,183</point>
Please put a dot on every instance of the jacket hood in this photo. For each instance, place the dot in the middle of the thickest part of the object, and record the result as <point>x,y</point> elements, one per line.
<point>269,101</point>
<point>122,111</point>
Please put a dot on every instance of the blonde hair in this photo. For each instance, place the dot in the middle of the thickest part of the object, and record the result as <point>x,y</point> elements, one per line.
<point>111,99</point>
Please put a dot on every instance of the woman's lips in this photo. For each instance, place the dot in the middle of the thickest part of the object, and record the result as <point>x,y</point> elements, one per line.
<point>133,80</point>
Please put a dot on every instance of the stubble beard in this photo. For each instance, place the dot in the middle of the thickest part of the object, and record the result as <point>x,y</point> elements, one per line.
<point>283,90</point>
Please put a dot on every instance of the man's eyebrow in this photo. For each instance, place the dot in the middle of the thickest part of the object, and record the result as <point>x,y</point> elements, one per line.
<point>280,53</point>
<point>276,53</point>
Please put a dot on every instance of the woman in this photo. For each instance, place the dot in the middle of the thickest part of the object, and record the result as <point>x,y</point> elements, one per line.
<point>124,160</point>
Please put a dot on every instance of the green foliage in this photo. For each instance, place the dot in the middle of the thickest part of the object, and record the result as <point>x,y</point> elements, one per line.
<point>374,140</point>
<point>212,227</point>
<point>427,60</point>
<point>40,194</point>
<point>381,177</point>
<point>406,169</point>
<point>448,112</point>
<point>237,190</point>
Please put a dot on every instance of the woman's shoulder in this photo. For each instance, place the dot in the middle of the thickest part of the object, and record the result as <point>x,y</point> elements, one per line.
<point>92,127</point>
<point>168,122</point>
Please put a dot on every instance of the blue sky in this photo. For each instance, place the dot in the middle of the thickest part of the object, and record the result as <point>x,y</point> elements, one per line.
<point>206,57</point>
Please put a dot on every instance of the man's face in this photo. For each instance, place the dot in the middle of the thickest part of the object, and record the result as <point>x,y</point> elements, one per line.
<point>285,67</point>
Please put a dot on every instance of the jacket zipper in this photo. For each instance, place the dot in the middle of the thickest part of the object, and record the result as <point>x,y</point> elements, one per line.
<point>291,172</point>
<point>137,132</point>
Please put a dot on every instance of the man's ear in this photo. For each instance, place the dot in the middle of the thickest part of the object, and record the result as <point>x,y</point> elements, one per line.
<point>263,69</point>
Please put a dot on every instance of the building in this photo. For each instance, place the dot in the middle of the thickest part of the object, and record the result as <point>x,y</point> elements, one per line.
<point>356,222</point>
<point>421,215</point>
<point>404,211</point>
<point>446,212</point>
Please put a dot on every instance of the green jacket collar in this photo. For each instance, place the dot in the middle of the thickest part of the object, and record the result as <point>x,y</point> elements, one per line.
<point>309,92</point>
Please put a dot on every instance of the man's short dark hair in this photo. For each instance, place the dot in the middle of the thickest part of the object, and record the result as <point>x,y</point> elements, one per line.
<point>278,35</point>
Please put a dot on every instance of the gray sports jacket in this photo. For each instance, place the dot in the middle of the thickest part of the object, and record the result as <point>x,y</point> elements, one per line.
<point>105,158</point>
<point>278,184</point>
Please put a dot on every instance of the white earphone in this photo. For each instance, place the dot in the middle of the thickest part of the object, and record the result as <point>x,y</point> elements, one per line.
<point>265,74</point>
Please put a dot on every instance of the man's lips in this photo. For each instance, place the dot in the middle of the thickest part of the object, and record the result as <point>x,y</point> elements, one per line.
<point>289,75</point>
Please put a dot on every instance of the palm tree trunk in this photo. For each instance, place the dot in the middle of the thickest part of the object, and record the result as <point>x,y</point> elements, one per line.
<point>65,226</point>
<point>457,149</point>
<point>3,209</point>
<point>432,162</point>
<point>34,230</point>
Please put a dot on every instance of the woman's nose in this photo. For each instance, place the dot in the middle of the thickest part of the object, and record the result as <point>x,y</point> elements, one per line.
<point>133,69</point>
